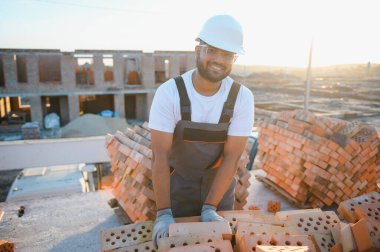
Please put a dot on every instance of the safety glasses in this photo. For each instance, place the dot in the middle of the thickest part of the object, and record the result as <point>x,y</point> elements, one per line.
<point>214,52</point>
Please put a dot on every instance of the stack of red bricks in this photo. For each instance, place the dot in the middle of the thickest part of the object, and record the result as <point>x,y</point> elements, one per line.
<point>333,159</point>
<point>130,156</point>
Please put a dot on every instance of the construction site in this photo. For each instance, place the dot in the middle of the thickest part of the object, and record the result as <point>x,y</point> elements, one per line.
<point>308,180</point>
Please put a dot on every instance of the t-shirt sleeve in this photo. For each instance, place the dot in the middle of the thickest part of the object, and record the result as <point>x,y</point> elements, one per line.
<point>162,114</point>
<point>243,117</point>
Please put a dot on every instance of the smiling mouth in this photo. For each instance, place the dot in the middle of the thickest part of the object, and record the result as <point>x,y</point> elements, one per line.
<point>215,67</point>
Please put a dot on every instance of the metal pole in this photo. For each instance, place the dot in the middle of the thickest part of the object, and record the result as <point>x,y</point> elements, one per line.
<point>308,79</point>
<point>99,175</point>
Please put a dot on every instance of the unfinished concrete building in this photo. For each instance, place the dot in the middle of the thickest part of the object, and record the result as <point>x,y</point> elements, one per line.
<point>34,83</point>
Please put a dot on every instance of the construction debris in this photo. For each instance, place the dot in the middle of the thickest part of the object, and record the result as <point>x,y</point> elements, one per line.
<point>130,158</point>
<point>318,160</point>
<point>296,230</point>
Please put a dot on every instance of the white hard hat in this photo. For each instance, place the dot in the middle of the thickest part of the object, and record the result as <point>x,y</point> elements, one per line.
<point>223,32</point>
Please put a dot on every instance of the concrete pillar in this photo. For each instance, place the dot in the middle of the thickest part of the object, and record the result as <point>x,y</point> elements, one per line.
<point>73,101</point>
<point>174,66</point>
<point>64,110</point>
<point>141,107</point>
<point>98,70</point>
<point>190,62</point>
<point>118,67</point>
<point>10,70</point>
<point>68,64</point>
<point>119,104</point>
<point>32,69</point>
<point>147,70</point>
<point>36,109</point>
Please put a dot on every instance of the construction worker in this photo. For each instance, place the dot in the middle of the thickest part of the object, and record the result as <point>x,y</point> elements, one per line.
<point>200,123</point>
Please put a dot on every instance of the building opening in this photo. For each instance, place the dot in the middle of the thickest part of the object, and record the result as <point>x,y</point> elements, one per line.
<point>131,71</point>
<point>50,68</point>
<point>130,106</point>
<point>84,70</point>
<point>94,104</point>
<point>108,68</point>
<point>2,79</point>
<point>22,76</point>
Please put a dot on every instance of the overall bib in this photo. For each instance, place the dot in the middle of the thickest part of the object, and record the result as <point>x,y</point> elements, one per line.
<point>196,149</point>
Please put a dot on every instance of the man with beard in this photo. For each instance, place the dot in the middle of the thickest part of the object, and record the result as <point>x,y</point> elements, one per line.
<point>200,123</point>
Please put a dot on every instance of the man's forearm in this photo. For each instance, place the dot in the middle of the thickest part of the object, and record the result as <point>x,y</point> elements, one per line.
<point>222,181</point>
<point>161,184</point>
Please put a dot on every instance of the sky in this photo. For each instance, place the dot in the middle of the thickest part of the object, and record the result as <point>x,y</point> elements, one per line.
<point>276,32</point>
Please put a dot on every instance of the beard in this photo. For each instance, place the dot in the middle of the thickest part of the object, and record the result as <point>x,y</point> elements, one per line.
<point>207,73</point>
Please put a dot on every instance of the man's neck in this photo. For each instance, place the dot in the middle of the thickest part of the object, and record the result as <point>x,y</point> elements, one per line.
<point>203,86</point>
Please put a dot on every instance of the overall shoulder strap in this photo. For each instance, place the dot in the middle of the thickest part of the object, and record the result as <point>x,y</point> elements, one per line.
<point>229,105</point>
<point>184,99</point>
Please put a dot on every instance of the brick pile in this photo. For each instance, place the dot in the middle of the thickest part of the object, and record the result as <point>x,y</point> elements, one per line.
<point>130,157</point>
<point>319,160</point>
<point>296,230</point>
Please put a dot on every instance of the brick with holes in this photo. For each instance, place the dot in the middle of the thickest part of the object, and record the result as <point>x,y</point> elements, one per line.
<point>166,243</point>
<point>347,207</point>
<point>262,248</point>
<point>274,206</point>
<point>367,235</point>
<point>7,246</point>
<point>314,222</point>
<point>216,246</point>
<point>128,235</point>
<point>246,228</point>
<point>249,242</point>
<point>217,227</point>
<point>369,211</point>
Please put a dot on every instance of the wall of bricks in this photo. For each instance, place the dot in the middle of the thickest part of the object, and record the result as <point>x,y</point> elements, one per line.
<point>319,160</point>
<point>130,158</point>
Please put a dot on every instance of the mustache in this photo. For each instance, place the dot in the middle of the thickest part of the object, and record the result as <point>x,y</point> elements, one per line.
<point>216,64</point>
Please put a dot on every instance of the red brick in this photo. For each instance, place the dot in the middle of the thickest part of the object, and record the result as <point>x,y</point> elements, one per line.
<point>333,146</point>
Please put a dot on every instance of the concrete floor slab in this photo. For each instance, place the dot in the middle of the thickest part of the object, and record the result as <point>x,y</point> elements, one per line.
<point>60,223</point>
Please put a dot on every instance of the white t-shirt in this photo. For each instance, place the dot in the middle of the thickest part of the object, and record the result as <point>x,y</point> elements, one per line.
<point>166,111</point>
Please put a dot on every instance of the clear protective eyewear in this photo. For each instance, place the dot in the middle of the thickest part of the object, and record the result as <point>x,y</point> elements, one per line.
<point>214,52</point>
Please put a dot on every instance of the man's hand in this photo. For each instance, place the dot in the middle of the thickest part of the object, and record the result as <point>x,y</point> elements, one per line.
<point>209,214</point>
<point>161,225</point>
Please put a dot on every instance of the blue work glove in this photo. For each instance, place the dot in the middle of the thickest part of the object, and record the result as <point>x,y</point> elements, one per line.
<point>161,225</point>
<point>209,214</point>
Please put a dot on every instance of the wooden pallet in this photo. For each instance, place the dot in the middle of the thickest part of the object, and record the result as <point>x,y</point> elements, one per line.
<point>273,187</point>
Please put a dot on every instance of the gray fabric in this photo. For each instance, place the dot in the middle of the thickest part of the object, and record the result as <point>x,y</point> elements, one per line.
<point>192,159</point>
<point>192,177</point>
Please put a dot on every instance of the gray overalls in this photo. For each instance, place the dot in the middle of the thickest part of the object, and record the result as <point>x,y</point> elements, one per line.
<point>195,150</point>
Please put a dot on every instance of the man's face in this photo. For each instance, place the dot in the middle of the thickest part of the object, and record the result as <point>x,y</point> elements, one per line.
<point>214,64</point>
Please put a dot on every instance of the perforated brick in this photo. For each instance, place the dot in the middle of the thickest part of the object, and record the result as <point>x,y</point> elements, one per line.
<point>145,246</point>
<point>282,249</point>
<point>217,227</point>
<point>286,214</point>
<point>347,207</point>
<point>249,242</point>
<point>324,241</point>
<point>274,206</point>
<point>184,240</point>
<point>127,235</point>
<point>367,235</point>
<point>217,246</point>
<point>244,228</point>
<point>7,246</point>
<point>315,222</point>
<point>369,211</point>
